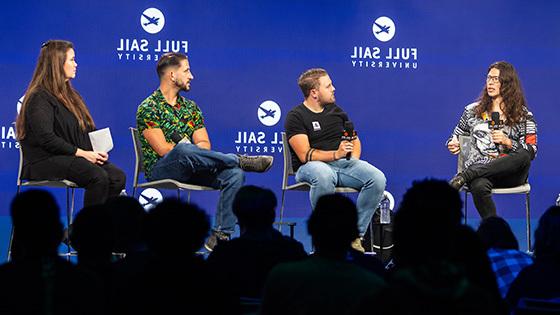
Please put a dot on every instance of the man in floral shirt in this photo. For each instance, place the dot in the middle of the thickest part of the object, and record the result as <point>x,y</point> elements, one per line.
<point>175,144</point>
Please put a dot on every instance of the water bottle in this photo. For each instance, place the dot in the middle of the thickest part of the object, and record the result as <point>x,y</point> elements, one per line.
<point>385,212</point>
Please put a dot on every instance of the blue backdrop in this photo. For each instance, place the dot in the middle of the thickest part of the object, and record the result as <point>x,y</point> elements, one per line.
<point>404,94</point>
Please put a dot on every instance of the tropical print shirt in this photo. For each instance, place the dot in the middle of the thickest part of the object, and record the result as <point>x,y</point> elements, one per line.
<point>154,112</point>
<point>482,150</point>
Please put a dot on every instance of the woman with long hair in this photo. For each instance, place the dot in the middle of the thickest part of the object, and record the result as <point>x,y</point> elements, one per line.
<point>541,280</point>
<point>503,136</point>
<point>53,125</point>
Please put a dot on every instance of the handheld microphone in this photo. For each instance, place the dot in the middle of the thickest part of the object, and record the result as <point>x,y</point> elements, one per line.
<point>348,135</point>
<point>495,124</point>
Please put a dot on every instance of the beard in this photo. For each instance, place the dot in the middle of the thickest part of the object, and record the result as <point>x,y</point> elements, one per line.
<point>327,100</point>
<point>182,86</point>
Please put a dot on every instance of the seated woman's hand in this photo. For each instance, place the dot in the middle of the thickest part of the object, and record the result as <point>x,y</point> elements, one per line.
<point>93,157</point>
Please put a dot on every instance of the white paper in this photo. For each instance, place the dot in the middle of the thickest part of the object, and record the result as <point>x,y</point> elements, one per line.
<point>101,140</point>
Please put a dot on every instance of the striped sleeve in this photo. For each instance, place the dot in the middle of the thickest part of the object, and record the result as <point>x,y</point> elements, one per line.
<point>527,136</point>
<point>462,128</point>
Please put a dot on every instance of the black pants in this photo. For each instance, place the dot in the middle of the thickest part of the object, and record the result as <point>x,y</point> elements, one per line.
<point>101,182</point>
<point>508,171</point>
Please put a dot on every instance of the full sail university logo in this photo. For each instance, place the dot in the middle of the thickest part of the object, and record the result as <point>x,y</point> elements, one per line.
<point>383,29</point>
<point>148,47</point>
<point>149,198</point>
<point>269,113</point>
<point>152,20</point>
<point>8,132</point>
<point>380,55</point>
<point>255,141</point>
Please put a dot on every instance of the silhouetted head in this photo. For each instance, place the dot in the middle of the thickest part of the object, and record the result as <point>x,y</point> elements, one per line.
<point>92,232</point>
<point>175,227</point>
<point>37,227</point>
<point>426,221</point>
<point>469,252</point>
<point>333,225</point>
<point>494,232</point>
<point>547,235</point>
<point>254,207</point>
<point>128,218</point>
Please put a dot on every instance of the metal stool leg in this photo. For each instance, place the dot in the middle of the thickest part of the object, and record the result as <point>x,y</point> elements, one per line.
<point>68,214</point>
<point>371,247</point>
<point>528,218</point>
<point>72,205</point>
<point>282,214</point>
<point>11,243</point>
<point>381,242</point>
<point>466,202</point>
<point>12,233</point>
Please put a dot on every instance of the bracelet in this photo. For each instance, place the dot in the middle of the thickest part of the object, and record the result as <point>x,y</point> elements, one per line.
<point>334,156</point>
<point>309,155</point>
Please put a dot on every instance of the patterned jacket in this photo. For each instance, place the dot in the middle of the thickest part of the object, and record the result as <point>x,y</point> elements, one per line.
<point>523,136</point>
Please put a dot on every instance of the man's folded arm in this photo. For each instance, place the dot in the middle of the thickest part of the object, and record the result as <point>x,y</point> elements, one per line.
<point>305,153</point>
<point>156,139</point>
<point>201,139</point>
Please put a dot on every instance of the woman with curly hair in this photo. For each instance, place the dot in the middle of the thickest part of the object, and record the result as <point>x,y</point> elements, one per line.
<point>503,136</point>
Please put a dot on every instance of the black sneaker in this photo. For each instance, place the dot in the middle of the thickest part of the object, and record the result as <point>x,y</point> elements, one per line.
<point>214,239</point>
<point>258,163</point>
<point>457,181</point>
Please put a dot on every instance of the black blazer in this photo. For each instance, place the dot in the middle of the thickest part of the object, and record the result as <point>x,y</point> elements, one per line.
<point>51,130</point>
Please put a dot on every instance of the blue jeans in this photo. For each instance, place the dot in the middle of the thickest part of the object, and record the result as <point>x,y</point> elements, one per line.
<point>325,176</point>
<point>190,164</point>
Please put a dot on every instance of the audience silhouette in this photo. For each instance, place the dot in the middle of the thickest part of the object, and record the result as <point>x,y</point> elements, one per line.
<point>503,251</point>
<point>470,255</point>
<point>440,265</point>
<point>128,219</point>
<point>243,263</point>
<point>37,281</point>
<point>93,238</point>
<point>541,280</point>
<point>175,279</point>
<point>429,276</point>
<point>325,283</point>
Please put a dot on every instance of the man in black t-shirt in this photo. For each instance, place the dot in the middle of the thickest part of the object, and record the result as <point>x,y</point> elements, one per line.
<point>314,129</point>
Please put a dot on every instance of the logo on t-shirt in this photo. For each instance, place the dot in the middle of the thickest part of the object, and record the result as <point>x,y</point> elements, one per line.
<point>316,126</point>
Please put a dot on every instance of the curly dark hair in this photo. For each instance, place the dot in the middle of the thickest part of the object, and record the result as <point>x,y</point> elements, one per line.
<point>514,104</point>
